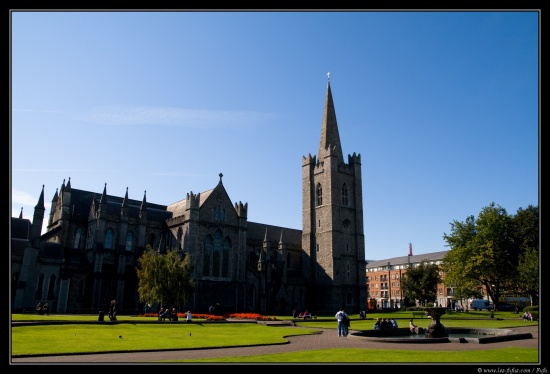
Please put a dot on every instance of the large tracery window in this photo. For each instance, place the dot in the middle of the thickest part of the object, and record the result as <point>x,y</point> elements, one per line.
<point>216,255</point>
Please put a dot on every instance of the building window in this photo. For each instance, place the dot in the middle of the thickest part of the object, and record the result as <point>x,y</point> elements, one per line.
<point>216,256</point>
<point>225,257</point>
<point>109,239</point>
<point>180,236</point>
<point>348,271</point>
<point>129,241</point>
<point>208,245</point>
<point>318,249</point>
<point>319,194</point>
<point>51,288</point>
<point>38,295</point>
<point>345,200</point>
<point>78,239</point>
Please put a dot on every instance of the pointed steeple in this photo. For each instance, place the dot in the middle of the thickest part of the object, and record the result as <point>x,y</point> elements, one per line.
<point>68,187</point>
<point>330,138</point>
<point>40,204</point>
<point>38,218</point>
<point>144,201</point>
<point>21,214</point>
<point>124,207</point>
<point>125,201</point>
<point>104,195</point>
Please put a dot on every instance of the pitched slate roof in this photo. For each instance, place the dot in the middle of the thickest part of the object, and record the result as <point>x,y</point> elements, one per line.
<point>434,256</point>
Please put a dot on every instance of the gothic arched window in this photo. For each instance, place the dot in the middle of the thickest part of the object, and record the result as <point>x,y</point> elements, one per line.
<point>208,245</point>
<point>109,239</point>
<point>217,255</point>
<point>345,200</point>
<point>319,194</point>
<point>129,241</point>
<point>225,257</point>
<point>78,239</point>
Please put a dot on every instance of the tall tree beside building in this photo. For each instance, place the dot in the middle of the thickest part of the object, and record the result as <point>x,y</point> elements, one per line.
<point>165,279</point>
<point>485,250</point>
<point>420,283</point>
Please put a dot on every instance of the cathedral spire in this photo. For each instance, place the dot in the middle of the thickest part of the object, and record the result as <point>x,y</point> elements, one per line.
<point>330,138</point>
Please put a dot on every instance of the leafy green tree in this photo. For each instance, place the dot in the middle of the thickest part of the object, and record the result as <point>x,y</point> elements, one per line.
<point>526,228</point>
<point>482,251</point>
<point>420,283</point>
<point>165,279</point>
<point>528,274</point>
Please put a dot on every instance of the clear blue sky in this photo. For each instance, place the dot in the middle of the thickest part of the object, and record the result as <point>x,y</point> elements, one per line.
<point>443,108</point>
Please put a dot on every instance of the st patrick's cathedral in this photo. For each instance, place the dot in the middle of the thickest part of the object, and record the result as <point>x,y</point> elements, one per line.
<point>90,250</point>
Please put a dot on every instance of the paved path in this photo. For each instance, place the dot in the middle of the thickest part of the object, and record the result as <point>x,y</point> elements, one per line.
<point>327,339</point>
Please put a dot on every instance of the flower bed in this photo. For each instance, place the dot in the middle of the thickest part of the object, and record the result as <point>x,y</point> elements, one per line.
<point>211,317</point>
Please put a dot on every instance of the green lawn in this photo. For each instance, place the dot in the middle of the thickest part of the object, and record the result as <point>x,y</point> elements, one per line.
<point>128,336</point>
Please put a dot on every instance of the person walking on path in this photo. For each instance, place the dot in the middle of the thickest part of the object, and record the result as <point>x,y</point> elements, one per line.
<point>189,316</point>
<point>342,317</point>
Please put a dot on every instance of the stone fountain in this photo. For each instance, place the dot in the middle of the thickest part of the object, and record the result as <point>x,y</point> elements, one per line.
<point>436,329</point>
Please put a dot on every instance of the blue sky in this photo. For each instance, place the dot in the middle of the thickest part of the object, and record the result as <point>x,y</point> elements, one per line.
<point>443,108</point>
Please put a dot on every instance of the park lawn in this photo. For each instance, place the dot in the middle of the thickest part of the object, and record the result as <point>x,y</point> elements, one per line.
<point>126,336</point>
<point>93,338</point>
<point>366,356</point>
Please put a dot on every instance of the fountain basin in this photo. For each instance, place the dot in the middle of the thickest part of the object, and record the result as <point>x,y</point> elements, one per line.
<point>456,335</point>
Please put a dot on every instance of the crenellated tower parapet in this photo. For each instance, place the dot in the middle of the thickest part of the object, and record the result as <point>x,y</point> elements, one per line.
<point>241,209</point>
<point>192,201</point>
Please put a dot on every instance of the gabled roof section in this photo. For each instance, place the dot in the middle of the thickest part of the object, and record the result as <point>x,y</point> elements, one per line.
<point>414,259</point>
<point>178,208</point>
<point>330,138</point>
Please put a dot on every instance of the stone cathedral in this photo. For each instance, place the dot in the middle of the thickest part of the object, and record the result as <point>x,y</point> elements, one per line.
<point>89,252</point>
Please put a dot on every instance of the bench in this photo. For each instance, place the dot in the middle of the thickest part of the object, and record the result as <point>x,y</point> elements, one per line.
<point>419,313</point>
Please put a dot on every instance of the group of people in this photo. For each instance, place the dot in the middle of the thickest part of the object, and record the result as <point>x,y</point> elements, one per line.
<point>42,309</point>
<point>343,322</point>
<point>172,315</point>
<point>385,324</point>
<point>527,316</point>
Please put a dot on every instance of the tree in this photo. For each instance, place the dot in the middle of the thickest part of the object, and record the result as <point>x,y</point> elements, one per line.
<point>482,251</point>
<point>528,274</point>
<point>165,279</point>
<point>525,229</point>
<point>420,282</point>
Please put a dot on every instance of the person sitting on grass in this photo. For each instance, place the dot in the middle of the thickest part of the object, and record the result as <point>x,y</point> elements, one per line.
<point>174,315</point>
<point>413,327</point>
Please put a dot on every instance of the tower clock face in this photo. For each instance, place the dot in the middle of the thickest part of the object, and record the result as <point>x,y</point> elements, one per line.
<point>346,223</point>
